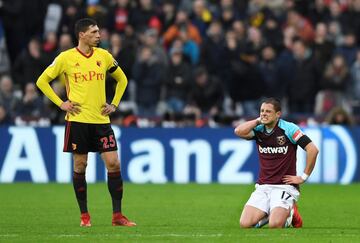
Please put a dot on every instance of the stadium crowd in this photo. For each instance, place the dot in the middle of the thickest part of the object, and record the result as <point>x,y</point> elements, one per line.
<point>192,63</point>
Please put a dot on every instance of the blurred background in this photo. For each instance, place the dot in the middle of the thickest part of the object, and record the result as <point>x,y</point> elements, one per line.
<point>194,64</point>
<point>197,63</point>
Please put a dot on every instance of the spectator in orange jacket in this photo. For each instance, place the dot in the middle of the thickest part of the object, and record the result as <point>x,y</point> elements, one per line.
<point>182,24</point>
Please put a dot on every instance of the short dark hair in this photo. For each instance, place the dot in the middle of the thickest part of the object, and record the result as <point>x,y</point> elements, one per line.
<point>274,101</point>
<point>82,25</point>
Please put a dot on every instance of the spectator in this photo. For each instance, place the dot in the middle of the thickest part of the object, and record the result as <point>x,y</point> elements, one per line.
<point>104,39</point>
<point>4,57</point>
<point>167,15</point>
<point>353,90</point>
<point>49,46</point>
<point>269,70</point>
<point>178,81</point>
<point>255,40</point>
<point>119,16</point>
<point>8,100</point>
<point>213,49</point>
<point>228,17</point>
<point>148,74</point>
<point>247,85</point>
<point>318,12</point>
<point>240,32</point>
<point>30,110</point>
<point>141,18</point>
<point>323,47</point>
<point>333,85</point>
<point>29,65</point>
<point>348,48</point>
<point>151,40</point>
<point>335,33</point>
<point>65,42</point>
<point>5,118</point>
<point>304,80</point>
<point>124,54</point>
<point>201,16</point>
<point>272,33</point>
<point>206,95</point>
<point>339,116</point>
<point>73,11</point>
<point>182,24</point>
<point>303,28</point>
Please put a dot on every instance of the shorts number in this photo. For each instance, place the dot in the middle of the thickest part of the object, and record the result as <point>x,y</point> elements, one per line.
<point>108,142</point>
<point>284,193</point>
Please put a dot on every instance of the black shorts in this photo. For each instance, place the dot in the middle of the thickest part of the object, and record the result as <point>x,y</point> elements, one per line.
<point>82,138</point>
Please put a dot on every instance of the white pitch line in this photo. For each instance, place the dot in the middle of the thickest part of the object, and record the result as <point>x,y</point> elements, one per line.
<point>185,235</point>
<point>144,235</point>
<point>65,235</point>
<point>9,235</point>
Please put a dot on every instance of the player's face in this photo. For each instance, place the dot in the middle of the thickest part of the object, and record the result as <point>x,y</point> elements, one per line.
<point>268,114</point>
<point>91,36</point>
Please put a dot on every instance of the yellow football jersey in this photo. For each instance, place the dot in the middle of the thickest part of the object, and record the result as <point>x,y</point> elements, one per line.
<point>85,81</point>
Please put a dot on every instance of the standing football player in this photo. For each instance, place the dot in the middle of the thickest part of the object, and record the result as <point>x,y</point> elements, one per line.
<point>277,188</point>
<point>88,127</point>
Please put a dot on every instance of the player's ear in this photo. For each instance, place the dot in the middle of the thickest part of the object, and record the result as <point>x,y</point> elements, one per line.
<point>81,34</point>
<point>278,114</point>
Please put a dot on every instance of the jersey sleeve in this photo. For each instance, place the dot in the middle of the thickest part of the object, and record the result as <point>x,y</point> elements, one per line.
<point>259,128</point>
<point>292,131</point>
<point>256,130</point>
<point>56,67</point>
<point>111,63</point>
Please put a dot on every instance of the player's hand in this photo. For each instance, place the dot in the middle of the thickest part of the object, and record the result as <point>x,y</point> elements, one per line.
<point>107,109</point>
<point>289,179</point>
<point>72,107</point>
<point>258,120</point>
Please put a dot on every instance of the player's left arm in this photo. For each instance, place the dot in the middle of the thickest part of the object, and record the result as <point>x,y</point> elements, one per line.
<point>311,155</point>
<point>120,77</point>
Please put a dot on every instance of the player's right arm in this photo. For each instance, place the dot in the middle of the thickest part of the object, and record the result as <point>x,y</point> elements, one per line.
<point>245,130</point>
<point>43,83</point>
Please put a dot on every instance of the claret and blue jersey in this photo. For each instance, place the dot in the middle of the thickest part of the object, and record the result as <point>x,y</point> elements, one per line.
<point>277,151</point>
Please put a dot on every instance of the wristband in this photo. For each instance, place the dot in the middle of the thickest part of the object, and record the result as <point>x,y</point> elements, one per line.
<point>304,176</point>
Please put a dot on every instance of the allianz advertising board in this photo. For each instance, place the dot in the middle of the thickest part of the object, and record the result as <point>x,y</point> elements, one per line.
<point>179,155</point>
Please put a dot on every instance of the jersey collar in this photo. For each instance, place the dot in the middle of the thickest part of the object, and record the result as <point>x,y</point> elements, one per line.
<point>87,56</point>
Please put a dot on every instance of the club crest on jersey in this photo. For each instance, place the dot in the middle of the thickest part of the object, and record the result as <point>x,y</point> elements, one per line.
<point>98,63</point>
<point>281,140</point>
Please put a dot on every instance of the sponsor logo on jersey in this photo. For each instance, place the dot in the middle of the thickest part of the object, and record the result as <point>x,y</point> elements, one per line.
<point>281,140</point>
<point>273,150</point>
<point>80,77</point>
<point>297,135</point>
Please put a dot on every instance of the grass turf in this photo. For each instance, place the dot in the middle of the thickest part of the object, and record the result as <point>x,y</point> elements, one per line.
<point>170,213</point>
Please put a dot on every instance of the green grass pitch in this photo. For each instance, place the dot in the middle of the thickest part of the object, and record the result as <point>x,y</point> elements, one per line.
<point>171,213</point>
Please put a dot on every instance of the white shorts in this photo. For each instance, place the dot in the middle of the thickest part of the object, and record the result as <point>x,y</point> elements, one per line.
<point>267,197</point>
